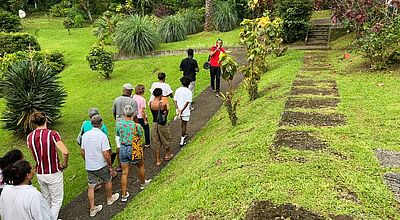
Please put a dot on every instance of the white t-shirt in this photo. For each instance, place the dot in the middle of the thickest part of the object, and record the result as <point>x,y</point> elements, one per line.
<point>23,202</point>
<point>166,89</point>
<point>183,95</point>
<point>94,142</point>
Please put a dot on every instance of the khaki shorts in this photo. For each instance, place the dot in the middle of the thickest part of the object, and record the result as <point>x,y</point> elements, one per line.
<point>161,136</point>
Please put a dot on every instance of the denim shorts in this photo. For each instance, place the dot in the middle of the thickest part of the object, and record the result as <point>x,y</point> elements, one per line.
<point>125,154</point>
<point>98,176</point>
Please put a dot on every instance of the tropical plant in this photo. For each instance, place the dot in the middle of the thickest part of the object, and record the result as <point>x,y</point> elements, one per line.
<point>61,9</point>
<point>9,22</point>
<point>13,42</point>
<point>136,36</point>
<point>68,24</point>
<point>105,26</point>
<point>261,36</point>
<point>101,60</point>
<point>229,68</point>
<point>141,7</point>
<point>30,86</point>
<point>225,16</point>
<point>172,29</point>
<point>296,15</point>
<point>194,21</point>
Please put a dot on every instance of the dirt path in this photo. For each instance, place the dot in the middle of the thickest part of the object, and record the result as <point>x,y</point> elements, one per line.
<point>206,105</point>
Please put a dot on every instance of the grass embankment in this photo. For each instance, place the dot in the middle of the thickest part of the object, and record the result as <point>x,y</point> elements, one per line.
<point>224,169</point>
<point>88,89</point>
<point>321,14</point>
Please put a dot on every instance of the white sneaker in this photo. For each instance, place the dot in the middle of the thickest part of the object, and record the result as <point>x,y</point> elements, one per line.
<point>95,210</point>
<point>125,198</point>
<point>114,198</point>
<point>146,182</point>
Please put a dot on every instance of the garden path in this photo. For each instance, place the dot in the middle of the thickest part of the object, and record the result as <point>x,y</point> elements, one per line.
<point>312,103</point>
<point>206,105</point>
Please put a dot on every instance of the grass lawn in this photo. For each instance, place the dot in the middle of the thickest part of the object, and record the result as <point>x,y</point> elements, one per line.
<point>225,169</point>
<point>88,89</point>
<point>321,14</point>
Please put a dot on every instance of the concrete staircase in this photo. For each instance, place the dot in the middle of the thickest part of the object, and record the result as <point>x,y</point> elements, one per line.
<point>318,35</point>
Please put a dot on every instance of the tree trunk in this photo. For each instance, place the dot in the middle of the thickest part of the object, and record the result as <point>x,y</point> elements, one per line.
<point>208,25</point>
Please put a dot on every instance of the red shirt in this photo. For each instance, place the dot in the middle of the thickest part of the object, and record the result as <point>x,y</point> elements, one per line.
<point>42,143</point>
<point>215,58</point>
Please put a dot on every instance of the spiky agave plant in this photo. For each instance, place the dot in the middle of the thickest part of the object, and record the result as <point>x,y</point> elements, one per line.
<point>225,17</point>
<point>172,29</point>
<point>29,86</point>
<point>136,35</point>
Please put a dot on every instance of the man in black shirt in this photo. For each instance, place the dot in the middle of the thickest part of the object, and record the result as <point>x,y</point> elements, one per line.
<point>190,67</point>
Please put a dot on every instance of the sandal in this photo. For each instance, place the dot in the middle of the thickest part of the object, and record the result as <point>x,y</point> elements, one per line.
<point>159,164</point>
<point>169,158</point>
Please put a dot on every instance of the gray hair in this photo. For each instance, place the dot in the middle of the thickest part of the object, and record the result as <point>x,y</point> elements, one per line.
<point>96,121</point>
<point>93,112</point>
<point>128,111</point>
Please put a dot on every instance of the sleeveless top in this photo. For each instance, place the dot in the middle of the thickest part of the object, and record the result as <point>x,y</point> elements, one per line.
<point>155,113</point>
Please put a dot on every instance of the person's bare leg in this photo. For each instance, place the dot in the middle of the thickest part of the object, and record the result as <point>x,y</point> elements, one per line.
<point>124,178</point>
<point>118,161</point>
<point>158,158</point>
<point>91,197</point>
<point>141,171</point>
<point>108,189</point>
<point>183,126</point>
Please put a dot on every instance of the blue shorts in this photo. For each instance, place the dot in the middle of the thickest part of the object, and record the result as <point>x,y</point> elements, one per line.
<point>125,154</point>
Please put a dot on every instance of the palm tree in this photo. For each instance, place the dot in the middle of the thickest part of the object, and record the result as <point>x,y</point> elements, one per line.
<point>209,26</point>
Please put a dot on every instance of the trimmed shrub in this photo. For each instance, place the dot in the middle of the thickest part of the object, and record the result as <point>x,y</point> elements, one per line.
<point>296,15</point>
<point>194,21</point>
<point>172,29</point>
<point>9,22</point>
<point>225,17</point>
<point>13,42</point>
<point>28,87</point>
<point>136,36</point>
<point>101,60</point>
<point>54,60</point>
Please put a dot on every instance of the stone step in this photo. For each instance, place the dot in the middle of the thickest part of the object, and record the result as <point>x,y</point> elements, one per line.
<point>317,42</point>
<point>318,34</point>
<point>310,38</point>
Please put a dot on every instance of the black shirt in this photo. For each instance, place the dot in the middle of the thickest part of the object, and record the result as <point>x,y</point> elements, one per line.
<point>188,66</point>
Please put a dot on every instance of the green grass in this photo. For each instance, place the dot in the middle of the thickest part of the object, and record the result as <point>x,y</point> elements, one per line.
<point>88,89</point>
<point>226,169</point>
<point>321,14</point>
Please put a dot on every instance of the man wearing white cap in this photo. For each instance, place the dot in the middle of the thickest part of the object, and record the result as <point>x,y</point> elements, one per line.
<point>118,110</point>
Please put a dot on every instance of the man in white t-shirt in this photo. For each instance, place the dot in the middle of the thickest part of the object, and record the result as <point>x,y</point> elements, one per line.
<point>166,89</point>
<point>183,98</point>
<point>95,151</point>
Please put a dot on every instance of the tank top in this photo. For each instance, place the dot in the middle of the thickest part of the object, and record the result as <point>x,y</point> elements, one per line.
<point>155,113</point>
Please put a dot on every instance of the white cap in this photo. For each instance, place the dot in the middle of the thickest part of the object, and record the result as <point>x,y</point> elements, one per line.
<point>127,86</point>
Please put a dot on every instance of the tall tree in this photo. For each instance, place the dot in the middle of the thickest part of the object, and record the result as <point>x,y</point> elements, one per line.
<point>208,25</point>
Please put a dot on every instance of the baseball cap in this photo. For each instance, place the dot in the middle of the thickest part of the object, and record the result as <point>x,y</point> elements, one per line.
<point>128,86</point>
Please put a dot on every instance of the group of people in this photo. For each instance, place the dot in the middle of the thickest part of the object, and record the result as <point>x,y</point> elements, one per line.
<point>20,200</point>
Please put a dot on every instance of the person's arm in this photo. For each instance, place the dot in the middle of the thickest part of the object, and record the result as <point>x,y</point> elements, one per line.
<point>181,66</point>
<point>178,112</point>
<point>213,50</point>
<point>196,66</point>
<point>114,110</point>
<point>144,115</point>
<point>65,153</point>
<point>83,153</point>
<point>184,107</point>
<point>105,145</point>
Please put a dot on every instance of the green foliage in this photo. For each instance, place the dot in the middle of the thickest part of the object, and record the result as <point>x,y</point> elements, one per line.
<point>296,15</point>
<point>141,7</point>
<point>9,22</point>
<point>105,26</point>
<point>77,17</point>
<point>54,60</point>
<point>194,21</point>
<point>13,42</point>
<point>61,9</point>
<point>101,60</point>
<point>13,5</point>
<point>68,24</point>
<point>225,16</point>
<point>172,29</point>
<point>136,36</point>
<point>30,86</point>
<point>229,68</point>
<point>261,36</point>
<point>381,43</point>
